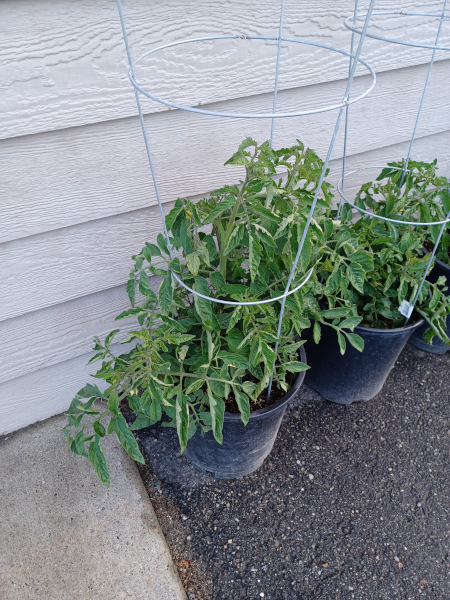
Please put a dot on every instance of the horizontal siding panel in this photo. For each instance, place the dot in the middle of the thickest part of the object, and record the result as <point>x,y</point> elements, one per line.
<point>44,393</point>
<point>68,263</point>
<point>63,63</point>
<point>58,333</point>
<point>71,176</point>
<point>64,331</point>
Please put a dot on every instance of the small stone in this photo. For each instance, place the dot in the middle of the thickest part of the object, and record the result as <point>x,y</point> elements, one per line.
<point>311,477</point>
<point>345,530</point>
<point>262,594</point>
<point>396,558</point>
<point>230,541</point>
<point>324,565</point>
<point>350,588</point>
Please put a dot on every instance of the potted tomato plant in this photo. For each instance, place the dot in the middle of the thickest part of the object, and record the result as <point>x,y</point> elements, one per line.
<point>379,266</point>
<point>203,361</point>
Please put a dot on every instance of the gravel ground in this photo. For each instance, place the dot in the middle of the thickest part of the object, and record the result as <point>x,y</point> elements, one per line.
<point>353,502</point>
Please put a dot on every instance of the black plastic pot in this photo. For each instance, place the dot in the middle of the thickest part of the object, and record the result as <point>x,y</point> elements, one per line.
<point>437,346</point>
<point>244,448</point>
<point>355,375</point>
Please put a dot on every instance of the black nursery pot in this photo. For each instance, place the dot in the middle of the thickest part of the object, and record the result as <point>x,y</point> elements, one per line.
<point>244,448</point>
<point>355,375</point>
<point>437,346</point>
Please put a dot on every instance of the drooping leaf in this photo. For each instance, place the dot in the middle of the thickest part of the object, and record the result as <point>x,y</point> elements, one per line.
<point>356,341</point>
<point>254,258</point>
<point>98,461</point>
<point>243,405</point>
<point>162,243</point>
<point>165,294</point>
<point>144,284</point>
<point>119,426</point>
<point>182,419</point>
<point>217,409</point>
<point>131,290</point>
<point>202,305</point>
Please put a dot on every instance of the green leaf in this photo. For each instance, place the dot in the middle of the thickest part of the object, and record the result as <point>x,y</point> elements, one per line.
<point>356,275</point>
<point>150,250</point>
<point>173,214</point>
<point>113,403</point>
<point>119,426</point>
<point>165,294</point>
<point>202,306</point>
<point>89,391</point>
<point>98,461</point>
<point>255,350</point>
<point>356,341</point>
<point>233,360</point>
<point>141,422</point>
<point>234,239</point>
<point>132,312</point>
<point>195,385</point>
<point>193,263</point>
<point>255,251</point>
<point>144,284</point>
<point>333,281</point>
<point>161,241</point>
<point>249,388</point>
<point>131,290</point>
<point>335,313</point>
<point>155,411</point>
<point>295,366</point>
<point>364,260</point>
<point>217,280</point>
<point>99,429</point>
<point>341,340</point>
<point>350,323</point>
<point>217,409</point>
<point>317,332</point>
<point>182,419</point>
<point>155,391</point>
<point>220,208</point>
<point>243,405</point>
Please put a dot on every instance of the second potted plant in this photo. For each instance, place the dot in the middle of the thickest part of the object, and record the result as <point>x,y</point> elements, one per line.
<point>379,266</point>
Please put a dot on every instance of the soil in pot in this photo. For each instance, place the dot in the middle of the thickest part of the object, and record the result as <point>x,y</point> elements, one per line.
<point>355,375</point>
<point>416,339</point>
<point>244,448</point>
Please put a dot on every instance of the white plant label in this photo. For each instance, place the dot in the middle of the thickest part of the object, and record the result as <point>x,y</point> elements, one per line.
<point>405,309</point>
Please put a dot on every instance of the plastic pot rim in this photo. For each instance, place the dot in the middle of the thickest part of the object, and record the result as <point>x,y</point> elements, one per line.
<point>262,412</point>
<point>394,331</point>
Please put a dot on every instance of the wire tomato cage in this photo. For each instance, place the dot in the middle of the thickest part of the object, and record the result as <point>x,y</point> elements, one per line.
<point>407,308</point>
<point>341,107</point>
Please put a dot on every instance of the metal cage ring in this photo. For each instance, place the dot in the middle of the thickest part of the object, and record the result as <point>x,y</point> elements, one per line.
<point>255,303</point>
<point>392,40</point>
<point>272,115</point>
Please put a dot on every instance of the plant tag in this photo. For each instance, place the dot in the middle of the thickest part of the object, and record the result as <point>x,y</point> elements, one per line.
<point>405,309</point>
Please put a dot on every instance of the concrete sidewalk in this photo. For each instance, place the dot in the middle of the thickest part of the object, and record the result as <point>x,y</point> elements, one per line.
<point>64,536</point>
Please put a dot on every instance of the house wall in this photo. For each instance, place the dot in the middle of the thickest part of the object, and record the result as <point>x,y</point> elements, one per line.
<point>76,197</point>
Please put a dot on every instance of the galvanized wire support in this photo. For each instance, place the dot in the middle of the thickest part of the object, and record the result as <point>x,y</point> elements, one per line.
<point>442,16</point>
<point>355,59</point>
